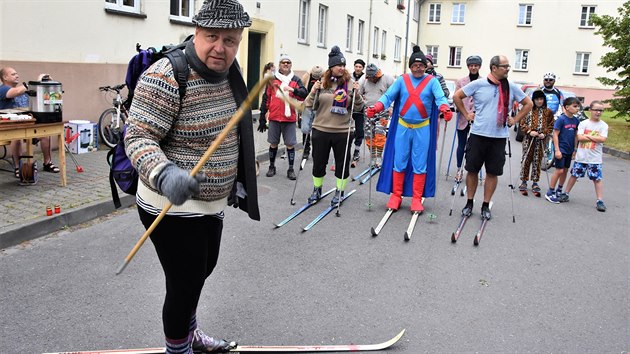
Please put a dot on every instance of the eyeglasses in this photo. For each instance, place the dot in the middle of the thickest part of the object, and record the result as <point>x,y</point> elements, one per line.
<point>285,62</point>
<point>597,110</point>
<point>507,66</point>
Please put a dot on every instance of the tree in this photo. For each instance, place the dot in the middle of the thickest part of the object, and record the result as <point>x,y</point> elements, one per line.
<point>616,34</point>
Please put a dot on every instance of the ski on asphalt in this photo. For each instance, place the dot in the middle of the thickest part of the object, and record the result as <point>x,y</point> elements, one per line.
<point>326,212</point>
<point>382,223</point>
<point>484,222</point>
<point>264,348</point>
<point>302,209</point>
<point>357,177</point>
<point>370,175</point>
<point>412,223</point>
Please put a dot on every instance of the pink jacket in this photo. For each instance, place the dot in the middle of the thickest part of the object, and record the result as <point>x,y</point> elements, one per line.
<point>462,123</point>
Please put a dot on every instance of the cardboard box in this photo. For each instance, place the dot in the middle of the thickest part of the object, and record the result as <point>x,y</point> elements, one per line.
<point>81,133</point>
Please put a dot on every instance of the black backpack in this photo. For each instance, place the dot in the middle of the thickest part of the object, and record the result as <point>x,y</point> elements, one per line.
<point>121,171</point>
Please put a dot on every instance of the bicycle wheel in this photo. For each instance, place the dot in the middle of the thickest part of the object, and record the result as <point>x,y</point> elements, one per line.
<point>109,133</point>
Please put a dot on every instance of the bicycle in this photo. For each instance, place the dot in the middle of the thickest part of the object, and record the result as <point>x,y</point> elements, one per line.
<point>112,120</point>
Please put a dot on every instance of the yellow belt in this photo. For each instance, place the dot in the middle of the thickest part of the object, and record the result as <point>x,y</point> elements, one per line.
<point>413,126</point>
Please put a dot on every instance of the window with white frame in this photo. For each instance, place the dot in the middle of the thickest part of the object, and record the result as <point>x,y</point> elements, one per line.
<point>322,24</point>
<point>455,56</point>
<point>433,50</point>
<point>525,14</point>
<point>435,10</point>
<point>375,43</point>
<point>123,5</point>
<point>585,18</point>
<point>520,61</point>
<point>416,10</point>
<point>397,45</point>
<point>459,11</point>
<point>349,31</point>
<point>182,10</point>
<point>581,62</point>
<point>304,20</point>
<point>383,43</point>
<point>360,35</point>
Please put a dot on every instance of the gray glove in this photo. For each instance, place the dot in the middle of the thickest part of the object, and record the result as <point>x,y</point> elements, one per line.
<point>176,184</point>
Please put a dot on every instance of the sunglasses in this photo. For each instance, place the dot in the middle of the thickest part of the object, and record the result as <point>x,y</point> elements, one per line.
<point>597,110</point>
<point>285,62</point>
<point>550,80</point>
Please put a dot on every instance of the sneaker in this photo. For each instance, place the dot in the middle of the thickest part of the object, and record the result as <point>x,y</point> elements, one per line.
<point>485,213</point>
<point>291,174</point>
<point>600,206</point>
<point>467,211</point>
<point>203,343</point>
<point>336,198</point>
<point>272,171</point>
<point>562,197</point>
<point>315,196</point>
<point>552,198</point>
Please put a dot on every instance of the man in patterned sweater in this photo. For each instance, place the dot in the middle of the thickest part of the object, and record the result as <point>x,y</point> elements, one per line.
<point>166,137</point>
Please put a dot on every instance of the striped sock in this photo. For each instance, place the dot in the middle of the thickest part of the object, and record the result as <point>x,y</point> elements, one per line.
<point>291,154</point>
<point>179,346</point>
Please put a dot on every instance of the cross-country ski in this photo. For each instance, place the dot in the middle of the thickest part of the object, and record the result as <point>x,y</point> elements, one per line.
<point>302,209</point>
<point>326,212</point>
<point>484,222</point>
<point>263,348</point>
<point>382,223</point>
<point>370,175</point>
<point>358,177</point>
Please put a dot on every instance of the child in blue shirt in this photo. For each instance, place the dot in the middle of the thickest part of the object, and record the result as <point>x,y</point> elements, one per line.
<point>564,142</point>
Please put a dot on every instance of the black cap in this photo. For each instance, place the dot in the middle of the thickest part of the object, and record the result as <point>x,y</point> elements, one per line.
<point>417,56</point>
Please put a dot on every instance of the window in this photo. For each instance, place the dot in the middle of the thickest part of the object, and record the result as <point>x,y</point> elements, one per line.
<point>123,5</point>
<point>397,45</point>
<point>525,15</point>
<point>581,62</point>
<point>520,63</point>
<point>434,13</point>
<point>303,20</point>
<point>416,10</point>
<point>455,56</point>
<point>349,30</point>
<point>322,24</point>
<point>585,19</point>
<point>433,50</point>
<point>182,10</point>
<point>375,43</point>
<point>360,32</point>
<point>383,44</point>
<point>458,13</point>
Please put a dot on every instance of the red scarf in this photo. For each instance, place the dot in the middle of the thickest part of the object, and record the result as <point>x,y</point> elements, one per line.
<point>504,99</point>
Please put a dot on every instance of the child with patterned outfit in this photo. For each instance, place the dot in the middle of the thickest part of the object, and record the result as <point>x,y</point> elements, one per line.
<point>591,135</point>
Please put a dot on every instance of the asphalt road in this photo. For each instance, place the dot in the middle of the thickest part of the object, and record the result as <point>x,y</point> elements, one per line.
<point>557,280</point>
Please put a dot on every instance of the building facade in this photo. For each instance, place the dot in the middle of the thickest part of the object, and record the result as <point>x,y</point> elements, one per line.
<point>537,36</point>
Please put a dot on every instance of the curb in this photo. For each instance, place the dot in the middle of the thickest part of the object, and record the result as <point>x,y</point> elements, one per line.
<point>46,224</point>
<point>617,153</point>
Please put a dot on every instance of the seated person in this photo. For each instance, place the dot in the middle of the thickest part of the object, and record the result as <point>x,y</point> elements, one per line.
<point>13,95</point>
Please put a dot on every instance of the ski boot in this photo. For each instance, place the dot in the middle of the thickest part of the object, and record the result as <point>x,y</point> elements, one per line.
<point>523,188</point>
<point>485,212</point>
<point>355,158</point>
<point>467,211</point>
<point>315,196</point>
<point>536,189</point>
<point>395,199</point>
<point>202,343</point>
<point>291,174</point>
<point>337,198</point>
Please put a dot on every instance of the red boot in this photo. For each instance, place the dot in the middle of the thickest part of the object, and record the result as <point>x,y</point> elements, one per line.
<point>395,199</point>
<point>418,190</point>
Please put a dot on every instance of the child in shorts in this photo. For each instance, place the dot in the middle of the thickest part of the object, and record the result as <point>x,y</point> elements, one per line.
<point>564,142</point>
<point>591,135</point>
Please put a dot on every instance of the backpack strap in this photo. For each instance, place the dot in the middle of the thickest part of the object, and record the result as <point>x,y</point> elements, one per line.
<point>180,69</point>
<point>112,182</point>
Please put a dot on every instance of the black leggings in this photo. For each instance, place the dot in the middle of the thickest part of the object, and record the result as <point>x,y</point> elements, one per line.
<point>359,122</point>
<point>322,143</point>
<point>188,249</point>
<point>462,137</point>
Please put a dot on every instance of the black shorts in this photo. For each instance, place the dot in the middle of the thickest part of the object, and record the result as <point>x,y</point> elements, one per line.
<point>563,162</point>
<point>481,150</point>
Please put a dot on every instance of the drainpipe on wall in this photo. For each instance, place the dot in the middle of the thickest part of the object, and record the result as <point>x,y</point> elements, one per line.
<point>417,33</point>
<point>369,29</point>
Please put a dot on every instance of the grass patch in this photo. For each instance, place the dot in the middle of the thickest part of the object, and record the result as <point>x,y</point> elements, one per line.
<point>618,132</point>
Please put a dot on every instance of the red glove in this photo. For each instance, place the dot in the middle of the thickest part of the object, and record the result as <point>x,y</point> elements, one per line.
<point>446,112</point>
<point>371,111</point>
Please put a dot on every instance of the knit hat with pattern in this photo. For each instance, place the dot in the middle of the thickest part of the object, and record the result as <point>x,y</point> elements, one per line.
<point>335,57</point>
<point>222,14</point>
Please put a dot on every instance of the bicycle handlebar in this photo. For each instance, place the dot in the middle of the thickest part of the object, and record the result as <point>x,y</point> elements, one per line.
<point>116,88</point>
